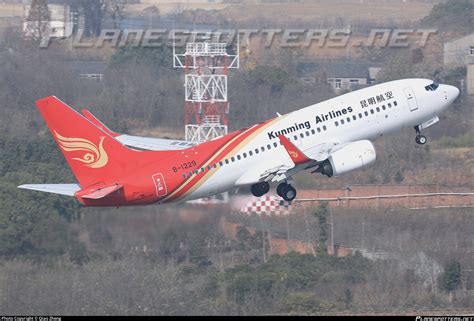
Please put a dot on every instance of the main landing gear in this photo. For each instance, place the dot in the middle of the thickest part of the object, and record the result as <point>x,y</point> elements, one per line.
<point>260,189</point>
<point>420,139</point>
<point>286,191</point>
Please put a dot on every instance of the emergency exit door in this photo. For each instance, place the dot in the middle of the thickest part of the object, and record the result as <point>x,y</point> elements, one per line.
<point>410,95</point>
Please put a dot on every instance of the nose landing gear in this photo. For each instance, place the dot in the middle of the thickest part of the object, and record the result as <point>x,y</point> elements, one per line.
<point>420,139</point>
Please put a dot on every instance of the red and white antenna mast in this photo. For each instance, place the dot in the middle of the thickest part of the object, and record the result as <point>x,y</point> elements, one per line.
<point>206,66</point>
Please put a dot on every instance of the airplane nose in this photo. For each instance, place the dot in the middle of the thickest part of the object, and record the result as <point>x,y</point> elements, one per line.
<point>452,92</point>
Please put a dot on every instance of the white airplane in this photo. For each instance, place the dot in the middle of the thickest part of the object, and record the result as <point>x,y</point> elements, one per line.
<point>331,138</point>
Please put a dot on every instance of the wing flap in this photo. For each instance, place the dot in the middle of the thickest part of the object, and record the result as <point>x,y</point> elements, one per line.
<point>62,189</point>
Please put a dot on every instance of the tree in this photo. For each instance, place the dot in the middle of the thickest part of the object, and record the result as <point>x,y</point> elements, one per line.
<point>93,11</point>
<point>116,9</point>
<point>450,279</point>
<point>38,19</point>
<point>322,213</point>
<point>455,15</point>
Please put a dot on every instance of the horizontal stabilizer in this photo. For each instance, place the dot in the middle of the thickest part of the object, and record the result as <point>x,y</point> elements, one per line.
<point>63,189</point>
<point>101,192</point>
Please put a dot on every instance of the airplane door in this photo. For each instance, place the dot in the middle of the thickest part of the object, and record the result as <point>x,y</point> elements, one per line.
<point>411,98</point>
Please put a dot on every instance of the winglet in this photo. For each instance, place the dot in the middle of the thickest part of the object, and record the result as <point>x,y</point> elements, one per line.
<point>297,156</point>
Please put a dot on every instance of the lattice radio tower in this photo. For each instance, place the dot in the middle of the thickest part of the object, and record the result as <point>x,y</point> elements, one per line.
<point>206,66</point>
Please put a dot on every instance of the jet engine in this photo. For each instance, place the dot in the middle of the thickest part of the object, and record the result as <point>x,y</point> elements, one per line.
<point>350,157</point>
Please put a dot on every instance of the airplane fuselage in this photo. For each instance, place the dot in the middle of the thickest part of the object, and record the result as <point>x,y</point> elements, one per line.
<point>266,152</point>
<point>220,165</point>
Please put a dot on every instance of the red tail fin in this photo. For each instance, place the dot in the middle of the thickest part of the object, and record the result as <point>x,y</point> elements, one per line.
<point>93,155</point>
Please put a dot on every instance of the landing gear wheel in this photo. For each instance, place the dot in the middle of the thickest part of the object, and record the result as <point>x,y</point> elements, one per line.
<point>288,193</point>
<point>280,188</point>
<point>260,189</point>
<point>421,140</point>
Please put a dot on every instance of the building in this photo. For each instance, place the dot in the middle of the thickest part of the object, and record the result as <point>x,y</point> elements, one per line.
<point>459,52</point>
<point>470,79</point>
<point>88,70</point>
<point>341,75</point>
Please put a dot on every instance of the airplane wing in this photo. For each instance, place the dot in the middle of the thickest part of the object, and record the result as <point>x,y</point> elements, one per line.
<point>277,171</point>
<point>150,143</point>
<point>138,142</point>
<point>322,151</point>
<point>63,189</point>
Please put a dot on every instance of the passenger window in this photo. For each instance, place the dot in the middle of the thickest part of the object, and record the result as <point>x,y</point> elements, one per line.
<point>302,135</point>
<point>383,107</point>
<point>256,150</point>
<point>238,157</point>
<point>275,144</point>
<point>307,133</point>
<point>245,155</point>
<point>324,127</point>
<point>360,115</point>
<point>208,167</point>
<point>215,165</point>
<point>354,117</point>
<point>389,105</point>
<point>366,113</point>
<point>232,159</point>
<point>372,111</point>
<point>348,119</point>
<point>296,137</point>
<point>250,153</point>
<point>336,123</point>
<point>196,172</point>
<point>202,169</point>
<point>395,103</point>
<point>319,130</point>
<point>269,146</point>
<point>342,121</point>
<point>378,109</point>
<point>221,163</point>
<point>184,176</point>
<point>262,148</point>
<point>313,131</point>
<point>227,161</point>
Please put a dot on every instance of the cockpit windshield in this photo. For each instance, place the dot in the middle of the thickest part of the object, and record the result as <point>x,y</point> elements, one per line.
<point>432,87</point>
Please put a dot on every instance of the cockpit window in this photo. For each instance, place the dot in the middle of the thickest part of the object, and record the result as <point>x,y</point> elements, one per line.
<point>432,87</point>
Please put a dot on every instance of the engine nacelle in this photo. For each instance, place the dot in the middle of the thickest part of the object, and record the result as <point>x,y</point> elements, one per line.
<point>352,156</point>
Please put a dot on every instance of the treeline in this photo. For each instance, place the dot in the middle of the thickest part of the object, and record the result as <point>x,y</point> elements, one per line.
<point>34,225</point>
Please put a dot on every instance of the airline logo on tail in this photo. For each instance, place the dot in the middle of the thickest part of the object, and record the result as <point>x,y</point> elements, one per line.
<point>293,153</point>
<point>93,157</point>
